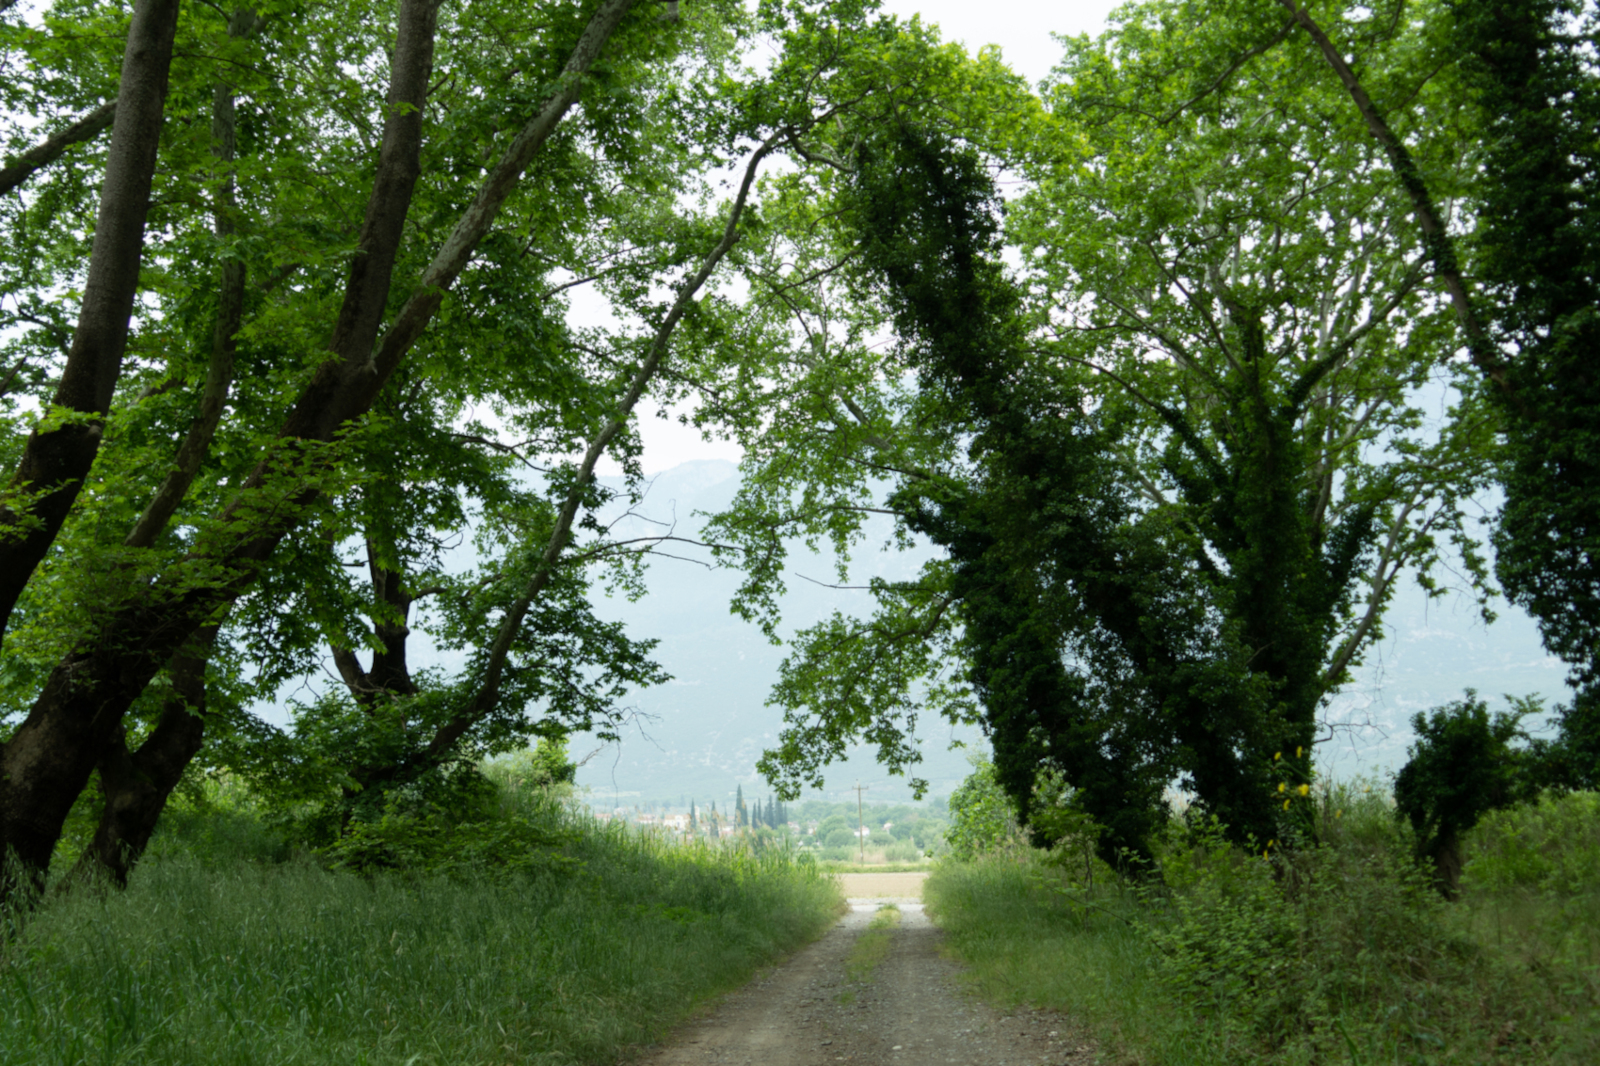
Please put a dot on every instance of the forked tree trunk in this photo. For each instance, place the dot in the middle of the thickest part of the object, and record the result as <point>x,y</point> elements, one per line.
<point>136,784</point>
<point>48,759</point>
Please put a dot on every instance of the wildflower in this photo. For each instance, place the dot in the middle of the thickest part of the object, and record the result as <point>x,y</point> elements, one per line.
<point>1298,752</point>
<point>1280,786</point>
<point>1285,804</point>
<point>1278,756</point>
<point>1305,790</point>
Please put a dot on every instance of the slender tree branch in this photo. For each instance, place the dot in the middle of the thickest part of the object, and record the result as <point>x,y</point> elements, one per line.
<point>488,693</point>
<point>1435,236</point>
<point>51,148</point>
<point>225,328</point>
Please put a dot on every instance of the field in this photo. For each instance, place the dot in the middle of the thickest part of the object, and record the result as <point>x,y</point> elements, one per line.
<point>226,950</point>
<point>1342,953</point>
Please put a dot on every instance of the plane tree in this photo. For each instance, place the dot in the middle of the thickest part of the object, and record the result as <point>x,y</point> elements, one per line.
<point>1177,459</point>
<point>360,245</point>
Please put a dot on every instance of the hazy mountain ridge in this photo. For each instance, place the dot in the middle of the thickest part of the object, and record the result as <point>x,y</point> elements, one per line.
<point>704,730</point>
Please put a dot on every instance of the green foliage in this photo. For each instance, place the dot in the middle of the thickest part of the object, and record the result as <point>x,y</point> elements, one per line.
<point>1334,953</point>
<point>1280,951</point>
<point>430,841</point>
<point>1462,766</point>
<point>982,815</point>
<point>1532,79</point>
<point>1192,455</point>
<point>1550,847</point>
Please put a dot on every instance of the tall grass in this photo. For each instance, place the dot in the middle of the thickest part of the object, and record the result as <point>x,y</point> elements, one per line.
<point>1339,953</point>
<point>208,960</point>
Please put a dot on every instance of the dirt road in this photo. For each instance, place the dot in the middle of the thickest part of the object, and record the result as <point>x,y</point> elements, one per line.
<point>908,1010</point>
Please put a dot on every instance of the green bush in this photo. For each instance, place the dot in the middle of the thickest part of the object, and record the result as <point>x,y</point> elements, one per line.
<point>1462,766</point>
<point>1551,846</point>
<point>905,852</point>
<point>982,816</point>
<point>839,837</point>
<point>1339,951</point>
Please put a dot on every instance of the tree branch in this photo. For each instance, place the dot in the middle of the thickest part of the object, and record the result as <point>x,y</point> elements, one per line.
<point>1435,237</point>
<point>49,150</point>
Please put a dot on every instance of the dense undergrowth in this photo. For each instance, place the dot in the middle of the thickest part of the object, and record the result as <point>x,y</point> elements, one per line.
<point>462,944</point>
<point>1341,952</point>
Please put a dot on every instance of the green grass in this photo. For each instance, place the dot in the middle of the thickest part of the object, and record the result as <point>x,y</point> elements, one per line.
<point>871,947</point>
<point>210,960</point>
<point>1341,954</point>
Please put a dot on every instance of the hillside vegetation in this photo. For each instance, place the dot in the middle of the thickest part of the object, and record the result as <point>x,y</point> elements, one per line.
<point>464,944</point>
<point>1339,952</point>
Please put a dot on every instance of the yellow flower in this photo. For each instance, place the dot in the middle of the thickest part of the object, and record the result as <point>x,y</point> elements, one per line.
<point>1305,790</point>
<point>1280,786</point>
<point>1278,756</point>
<point>1338,814</point>
<point>1285,804</point>
<point>1299,752</point>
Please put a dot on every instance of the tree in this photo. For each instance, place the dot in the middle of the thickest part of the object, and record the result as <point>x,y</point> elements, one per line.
<point>1461,766</point>
<point>982,816</point>
<point>1537,246</point>
<point>80,707</point>
<point>313,457</point>
<point>1170,528</point>
<point>1525,68</point>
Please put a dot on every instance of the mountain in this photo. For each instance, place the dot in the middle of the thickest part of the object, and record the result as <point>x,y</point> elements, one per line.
<point>700,734</point>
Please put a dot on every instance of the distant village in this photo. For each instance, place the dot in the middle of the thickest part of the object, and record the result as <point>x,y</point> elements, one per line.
<point>878,832</point>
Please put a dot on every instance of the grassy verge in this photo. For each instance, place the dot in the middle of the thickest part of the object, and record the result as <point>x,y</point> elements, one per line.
<point>1343,954</point>
<point>869,950</point>
<point>231,961</point>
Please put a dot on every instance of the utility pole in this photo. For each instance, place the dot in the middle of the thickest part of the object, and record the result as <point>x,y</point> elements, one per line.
<point>861,825</point>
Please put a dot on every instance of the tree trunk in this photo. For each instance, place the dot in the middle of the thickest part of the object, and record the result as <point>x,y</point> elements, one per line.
<point>1448,864</point>
<point>47,761</point>
<point>136,784</point>
<point>56,460</point>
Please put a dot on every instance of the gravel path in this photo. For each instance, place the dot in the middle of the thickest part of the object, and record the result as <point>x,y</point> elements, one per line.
<point>911,1010</point>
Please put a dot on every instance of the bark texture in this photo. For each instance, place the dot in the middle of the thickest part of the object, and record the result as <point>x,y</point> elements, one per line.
<point>136,784</point>
<point>58,456</point>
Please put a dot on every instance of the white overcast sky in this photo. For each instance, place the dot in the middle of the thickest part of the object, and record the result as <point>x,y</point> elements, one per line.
<point>1023,33</point>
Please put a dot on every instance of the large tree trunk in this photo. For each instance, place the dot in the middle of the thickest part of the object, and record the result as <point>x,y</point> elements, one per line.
<point>136,784</point>
<point>56,460</point>
<point>47,761</point>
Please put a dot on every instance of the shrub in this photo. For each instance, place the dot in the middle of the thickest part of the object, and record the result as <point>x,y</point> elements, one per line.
<point>982,816</point>
<point>1461,767</point>
<point>1551,846</point>
<point>904,852</point>
<point>839,837</point>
